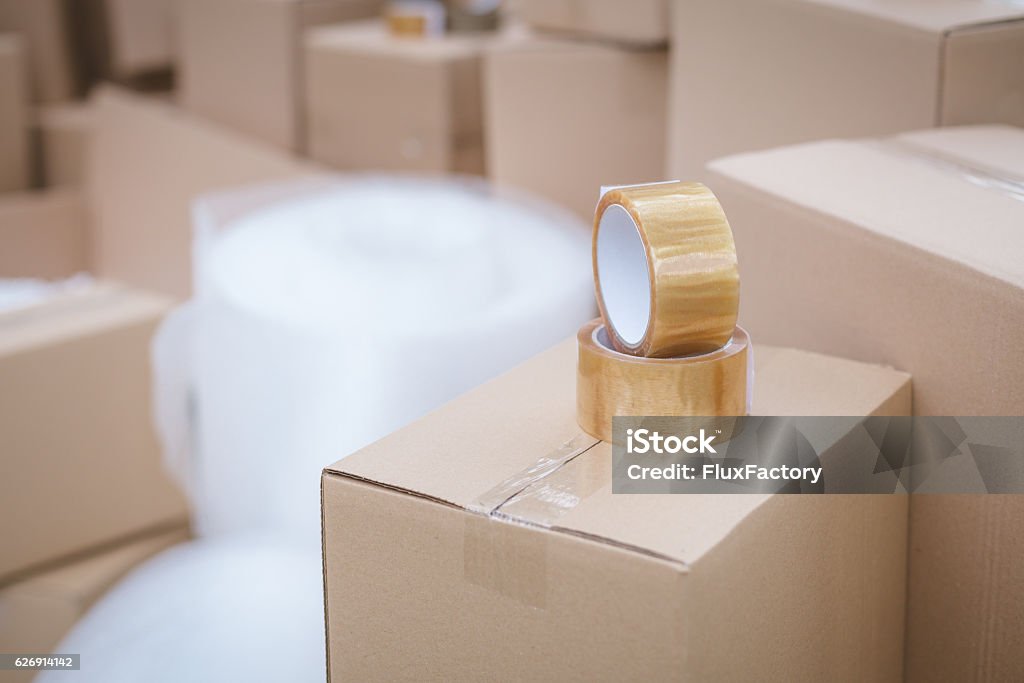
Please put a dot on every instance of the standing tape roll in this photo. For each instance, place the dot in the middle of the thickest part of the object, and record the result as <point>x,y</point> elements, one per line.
<point>610,383</point>
<point>665,269</point>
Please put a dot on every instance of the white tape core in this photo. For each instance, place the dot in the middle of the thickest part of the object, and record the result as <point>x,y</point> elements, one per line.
<point>623,274</point>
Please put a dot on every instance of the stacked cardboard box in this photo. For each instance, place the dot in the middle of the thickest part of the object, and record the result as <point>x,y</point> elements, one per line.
<point>643,22</point>
<point>376,101</point>
<point>42,26</point>
<point>64,133</point>
<point>14,162</point>
<point>44,234</point>
<point>906,251</point>
<point>565,117</point>
<point>240,61</point>
<point>81,462</point>
<point>753,74</point>
<point>595,586</point>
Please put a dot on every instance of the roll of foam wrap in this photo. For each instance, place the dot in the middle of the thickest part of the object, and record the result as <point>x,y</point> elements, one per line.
<point>610,383</point>
<point>665,269</point>
<point>328,318</point>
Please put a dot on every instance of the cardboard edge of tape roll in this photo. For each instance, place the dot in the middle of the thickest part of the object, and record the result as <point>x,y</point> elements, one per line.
<point>691,266</point>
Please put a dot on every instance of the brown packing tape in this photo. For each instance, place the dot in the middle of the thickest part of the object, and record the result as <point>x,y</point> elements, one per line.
<point>665,269</point>
<point>609,383</point>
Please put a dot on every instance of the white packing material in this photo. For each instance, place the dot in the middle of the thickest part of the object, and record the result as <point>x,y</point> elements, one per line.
<point>332,312</point>
<point>233,609</point>
<point>18,293</point>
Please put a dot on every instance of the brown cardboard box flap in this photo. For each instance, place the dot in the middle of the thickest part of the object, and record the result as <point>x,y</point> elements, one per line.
<point>451,456</point>
<point>834,177</point>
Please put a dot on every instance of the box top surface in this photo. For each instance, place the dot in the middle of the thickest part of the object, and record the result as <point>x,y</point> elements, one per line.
<point>934,16</point>
<point>468,449</point>
<point>77,312</point>
<point>372,38</point>
<point>952,192</point>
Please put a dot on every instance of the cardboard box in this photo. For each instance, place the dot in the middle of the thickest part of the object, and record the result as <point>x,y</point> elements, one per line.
<point>42,25</point>
<point>139,35</point>
<point>240,61</point>
<point>81,462</point>
<point>37,612</point>
<point>14,160</point>
<point>64,132</point>
<point>44,234</point>
<point>789,71</point>
<point>375,101</point>
<point>904,251</point>
<point>586,585</point>
<point>643,22</point>
<point>564,142</point>
<point>149,161</point>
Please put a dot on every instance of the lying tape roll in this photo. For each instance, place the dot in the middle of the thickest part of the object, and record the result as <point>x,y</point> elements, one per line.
<point>413,19</point>
<point>665,269</point>
<point>610,383</point>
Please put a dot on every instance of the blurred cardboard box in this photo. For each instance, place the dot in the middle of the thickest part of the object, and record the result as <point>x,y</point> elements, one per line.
<point>642,22</point>
<point>376,101</point>
<point>565,117</point>
<point>37,612</point>
<point>42,25</point>
<point>127,38</point>
<point>64,132</point>
<point>907,251</point>
<point>14,160</point>
<point>240,61</point>
<point>753,74</point>
<point>596,586</point>
<point>148,162</point>
<point>904,251</point>
<point>44,234</point>
<point>965,591</point>
<point>81,462</point>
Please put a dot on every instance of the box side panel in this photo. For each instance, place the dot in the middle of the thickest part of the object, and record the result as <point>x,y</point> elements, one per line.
<point>82,465</point>
<point>42,24</point>
<point>965,614</point>
<point>562,142</point>
<point>43,235</point>
<point>818,283</point>
<point>14,160</point>
<point>417,590</point>
<point>808,588</point>
<point>754,74</point>
<point>638,21</point>
<point>984,75</point>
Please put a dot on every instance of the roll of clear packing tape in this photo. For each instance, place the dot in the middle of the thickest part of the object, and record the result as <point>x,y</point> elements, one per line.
<point>665,269</point>
<point>610,383</point>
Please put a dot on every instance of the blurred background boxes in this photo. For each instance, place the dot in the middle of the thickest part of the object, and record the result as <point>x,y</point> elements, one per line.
<point>375,101</point>
<point>565,117</point>
<point>64,132</point>
<point>597,586</point>
<point>43,27</point>
<point>14,159</point>
<point>122,40</point>
<point>81,461</point>
<point>240,61</point>
<point>44,234</point>
<point>149,161</point>
<point>643,22</point>
<point>36,612</point>
<point>904,251</point>
<point>752,74</point>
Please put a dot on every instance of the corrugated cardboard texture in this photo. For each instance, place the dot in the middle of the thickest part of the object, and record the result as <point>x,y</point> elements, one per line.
<point>875,253</point>
<point>80,459</point>
<point>44,234</point>
<point>643,22</point>
<point>563,142</point>
<point>14,162</point>
<point>64,134</point>
<point>41,24</point>
<point>801,70</point>
<point>37,612</point>
<point>148,162</point>
<point>240,61</point>
<point>621,587</point>
<point>374,101</point>
<point>965,620</point>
